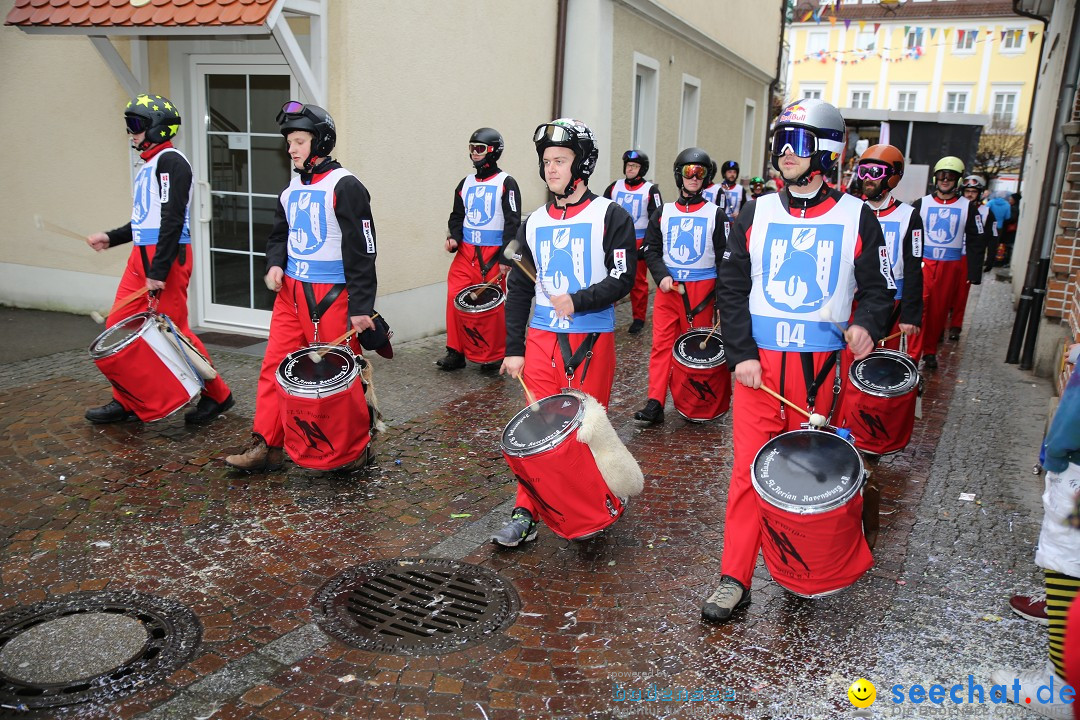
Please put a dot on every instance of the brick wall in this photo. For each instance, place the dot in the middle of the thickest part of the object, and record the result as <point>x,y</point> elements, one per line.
<point>1063,283</point>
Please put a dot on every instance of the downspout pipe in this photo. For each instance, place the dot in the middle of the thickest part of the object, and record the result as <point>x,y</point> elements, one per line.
<point>560,59</point>
<point>1035,89</point>
<point>775,84</point>
<point>1029,309</point>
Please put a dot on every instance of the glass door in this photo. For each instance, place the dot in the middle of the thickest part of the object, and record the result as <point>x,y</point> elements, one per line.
<point>242,169</point>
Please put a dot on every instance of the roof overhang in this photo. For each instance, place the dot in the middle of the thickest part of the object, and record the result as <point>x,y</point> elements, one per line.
<point>853,115</point>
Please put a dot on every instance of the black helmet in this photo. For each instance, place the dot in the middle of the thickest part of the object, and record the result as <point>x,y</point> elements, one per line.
<point>640,158</point>
<point>572,134</point>
<point>692,156</point>
<point>154,115</point>
<point>710,176</point>
<point>296,115</point>
<point>493,139</point>
<point>826,127</point>
<point>729,165</point>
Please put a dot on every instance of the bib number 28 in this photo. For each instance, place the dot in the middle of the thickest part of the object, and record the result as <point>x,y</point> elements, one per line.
<point>788,334</point>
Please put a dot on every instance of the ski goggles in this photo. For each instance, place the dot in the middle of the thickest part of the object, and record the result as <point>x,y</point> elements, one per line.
<point>553,134</point>
<point>479,148</point>
<point>872,172</point>
<point>135,124</point>
<point>802,142</point>
<point>295,108</point>
<point>691,172</point>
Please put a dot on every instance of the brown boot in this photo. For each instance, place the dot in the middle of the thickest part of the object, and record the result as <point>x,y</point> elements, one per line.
<point>259,458</point>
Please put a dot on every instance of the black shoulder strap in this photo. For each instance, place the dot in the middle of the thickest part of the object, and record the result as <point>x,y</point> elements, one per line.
<point>692,313</point>
<point>581,357</point>
<point>317,309</point>
<point>485,268</point>
<point>812,382</point>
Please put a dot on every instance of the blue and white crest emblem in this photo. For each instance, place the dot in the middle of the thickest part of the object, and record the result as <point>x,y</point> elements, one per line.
<point>479,205</point>
<point>141,206</point>
<point>942,225</point>
<point>801,265</point>
<point>307,221</point>
<point>686,239</point>
<point>631,202</point>
<point>564,263</point>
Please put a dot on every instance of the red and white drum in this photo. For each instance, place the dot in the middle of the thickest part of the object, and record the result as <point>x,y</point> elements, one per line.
<point>147,370</point>
<point>700,379</point>
<point>481,319</point>
<point>808,483</point>
<point>323,409</point>
<point>557,470</point>
<point>878,406</point>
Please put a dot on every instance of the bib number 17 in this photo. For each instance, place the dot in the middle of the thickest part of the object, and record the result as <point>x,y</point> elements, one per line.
<point>787,335</point>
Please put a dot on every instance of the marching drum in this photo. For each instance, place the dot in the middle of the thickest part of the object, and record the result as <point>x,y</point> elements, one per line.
<point>323,409</point>
<point>482,322</point>
<point>808,483</point>
<point>561,472</point>
<point>879,404</point>
<point>143,362</point>
<point>700,379</point>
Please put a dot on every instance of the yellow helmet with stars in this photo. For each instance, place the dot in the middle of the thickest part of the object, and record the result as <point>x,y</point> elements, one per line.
<point>153,115</point>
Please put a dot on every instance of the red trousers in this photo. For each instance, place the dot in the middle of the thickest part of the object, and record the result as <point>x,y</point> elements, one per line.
<point>756,419</point>
<point>171,301</point>
<point>669,322</point>
<point>959,304</point>
<point>940,281</point>
<point>545,374</point>
<point>914,342</point>
<point>639,293</point>
<point>465,271</point>
<point>291,329</point>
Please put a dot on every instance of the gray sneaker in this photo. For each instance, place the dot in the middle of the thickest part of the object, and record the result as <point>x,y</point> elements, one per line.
<point>521,528</point>
<point>728,597</point>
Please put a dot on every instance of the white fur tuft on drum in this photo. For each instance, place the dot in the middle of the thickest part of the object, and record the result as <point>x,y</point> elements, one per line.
<point>620,470</point>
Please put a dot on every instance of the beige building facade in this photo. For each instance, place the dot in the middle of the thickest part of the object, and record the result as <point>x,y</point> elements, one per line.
<point>406,82</point>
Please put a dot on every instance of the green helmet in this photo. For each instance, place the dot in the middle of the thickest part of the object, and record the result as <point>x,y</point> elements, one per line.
<point>950,163</point>
<point>757,180</point>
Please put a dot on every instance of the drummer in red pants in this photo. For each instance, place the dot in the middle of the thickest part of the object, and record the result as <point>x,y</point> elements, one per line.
<point>794,261</point>
<point>641,199</point>
<point>952,251</point>
<point>584,252</point>
<point>320,259</point>
<point>683,246</point>
<point>161,258</point>
<point>972,188</point>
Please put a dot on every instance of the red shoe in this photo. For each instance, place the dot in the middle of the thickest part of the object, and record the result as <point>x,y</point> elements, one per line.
<point>1030,607</point>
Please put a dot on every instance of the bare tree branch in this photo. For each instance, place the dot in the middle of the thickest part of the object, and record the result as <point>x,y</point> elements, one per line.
<point>1000,148</point>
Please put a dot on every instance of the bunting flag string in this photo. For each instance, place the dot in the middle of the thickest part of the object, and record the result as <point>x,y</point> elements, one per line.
<point>851,57</point>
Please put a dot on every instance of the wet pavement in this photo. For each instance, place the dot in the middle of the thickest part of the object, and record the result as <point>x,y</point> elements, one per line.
<point>152,508</point>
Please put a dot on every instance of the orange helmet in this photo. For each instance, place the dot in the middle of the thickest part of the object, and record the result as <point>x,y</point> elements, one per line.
<point>888,156</point>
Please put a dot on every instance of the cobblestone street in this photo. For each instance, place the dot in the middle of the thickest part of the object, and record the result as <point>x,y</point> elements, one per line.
<point>152,508</point>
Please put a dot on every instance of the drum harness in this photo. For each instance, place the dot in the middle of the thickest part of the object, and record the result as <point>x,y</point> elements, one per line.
<point>692,313</point>
<point>485,268</point>
<point>813,384</point>
<point>317,309</point>
<point>581,358</point>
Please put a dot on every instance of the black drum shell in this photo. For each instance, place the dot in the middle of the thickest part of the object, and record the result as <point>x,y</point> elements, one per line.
<point>490,297</point>
<point>807,471</point>
<point>885,373</point>
<point>687,349</point>
<point>561,415</point>
<point>298,374</point>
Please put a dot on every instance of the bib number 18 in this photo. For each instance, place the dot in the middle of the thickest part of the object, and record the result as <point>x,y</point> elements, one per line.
<point>787,335</point>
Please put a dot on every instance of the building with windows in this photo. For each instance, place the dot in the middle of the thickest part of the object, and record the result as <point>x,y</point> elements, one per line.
<point>407,84</point>
<point>930,56</point>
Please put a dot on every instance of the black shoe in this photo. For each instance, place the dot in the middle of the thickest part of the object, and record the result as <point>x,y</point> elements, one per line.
<point>453,360</point>
<point>635,327</point>
<point>929,362</point>
<point>207,410</point>
<point>651,414</point>
<point>954,334</point>
<point>113,412</point>
<point>491,366</point>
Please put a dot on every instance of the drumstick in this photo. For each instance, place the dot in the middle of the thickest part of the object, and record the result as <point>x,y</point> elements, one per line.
<point>43,224</point>
<point>316,356</point>
<point>473,295</point>
<point>826,314</point>
<point>890,337</point>
<point>122,303</point>
<point>816,419</point>
<point>701,345</point>
<point>533,405</point>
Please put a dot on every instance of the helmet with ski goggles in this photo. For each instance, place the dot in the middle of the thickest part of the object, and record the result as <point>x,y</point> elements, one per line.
<point>694,161</point>
<point>950,163</point>
<point>638,157</point>
<point>881,162</point>
<point>153,115</point>
<point>296,115</point>
<point>712,173</point>
<point>578,138</point>
<point>809,128</point>
<point>487,142</point>
<point>973,182</point>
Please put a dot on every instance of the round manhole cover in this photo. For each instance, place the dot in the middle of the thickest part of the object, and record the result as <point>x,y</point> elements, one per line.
<point>91,646</point>
<point>419,606</point>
